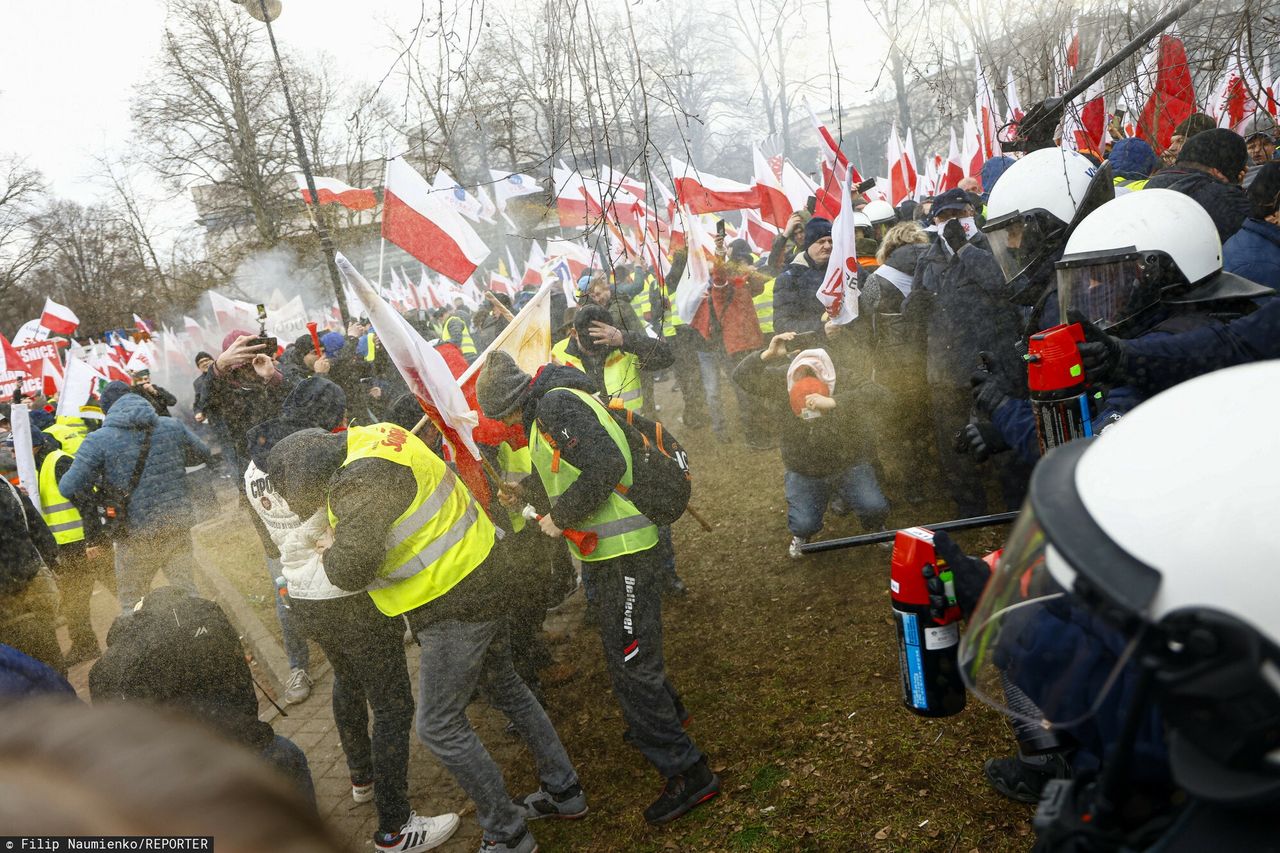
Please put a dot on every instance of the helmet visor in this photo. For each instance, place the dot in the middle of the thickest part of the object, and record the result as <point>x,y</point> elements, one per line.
<point>1105,291</point>
<point>1033,650</point>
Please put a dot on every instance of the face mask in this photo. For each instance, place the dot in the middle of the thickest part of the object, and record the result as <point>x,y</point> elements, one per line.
<point>969,226</point>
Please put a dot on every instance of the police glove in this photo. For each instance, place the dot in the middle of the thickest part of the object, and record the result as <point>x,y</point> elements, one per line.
<point>981,440</point>
<point>970,574</point>
<point>1100,354</point>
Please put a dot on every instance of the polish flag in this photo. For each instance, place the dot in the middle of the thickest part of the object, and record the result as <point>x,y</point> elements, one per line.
<point>427,291</point>
<point>798,186</point>
<point>696,280</point>
<point>501,284</point>
<point>832,157</point>
<point>839,290</point>
<point>758,233</point>
<point>13,362</point>
<point>1015,113</point>
<point>971,157</point>
<point>704,193</point>
<point>952,171</point>
<point>909,164</point>
<point>1093,113</point>
<point>533,267</point>
<point>899,185</point>
<point>1268,88</point>
<point>775,206</point>
<point>579,258</point>
<point>571,197</point>
<point>622,181</point>
<point>988,125</point>
<point>142,325</point>
<point>427,227</point>
<point>58,319</point>
<point>334,191</point>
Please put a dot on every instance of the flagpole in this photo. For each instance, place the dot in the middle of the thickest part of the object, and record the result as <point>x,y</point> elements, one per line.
<point>382,249</point>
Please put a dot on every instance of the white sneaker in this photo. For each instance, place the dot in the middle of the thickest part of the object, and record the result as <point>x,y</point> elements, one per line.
<point>793,550</point>
<point>421,833</point>
<point>298,688</point>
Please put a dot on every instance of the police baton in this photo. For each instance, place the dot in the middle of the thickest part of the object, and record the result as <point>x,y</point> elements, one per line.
<point>889,535</point>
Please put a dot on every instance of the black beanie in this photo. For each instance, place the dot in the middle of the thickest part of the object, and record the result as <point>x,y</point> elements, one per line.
<point>1221,149</point>
<point>815,229</point>
<point>501,386</point>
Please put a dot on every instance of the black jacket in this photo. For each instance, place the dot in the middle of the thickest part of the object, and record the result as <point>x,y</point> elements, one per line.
<point>814,447</point>
<point>25,541</point>
<point>1225,203</point>
<point>583,441</point>
<point>160,399</point>
<point>795,297</point>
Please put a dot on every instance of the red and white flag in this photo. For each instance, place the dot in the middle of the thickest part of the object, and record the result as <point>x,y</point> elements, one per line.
<point>834,164</point>
<point>334,191</point>
<point>988,124</point>
<point>953,169</point>
<point>1091,133</point>
<point>911,170</point>
<point>839,290</point>
<point>571,197</point>
<point>13,361</point>
<point>578,257</point>
<point>1173,95</point>
<point>758,233</point>
<point>533,267</point>
<point>426,226</point>
<point>798,186</point>
<point>775,206</point>
<point>900,185</point>
<point>142,325</point>
<point>701,192</point>
<point>58,319</point>
<point>971,154</point>
<point>462,201</point>
<point>1015,113</point>
<point>693,285</point>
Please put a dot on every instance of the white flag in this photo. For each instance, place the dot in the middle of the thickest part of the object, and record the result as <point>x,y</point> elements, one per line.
<point>696,279</point>
<point>839,291</point>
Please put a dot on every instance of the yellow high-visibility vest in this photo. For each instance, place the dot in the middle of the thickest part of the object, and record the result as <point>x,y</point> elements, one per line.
<point>60,514</point>
<point>621,374</point>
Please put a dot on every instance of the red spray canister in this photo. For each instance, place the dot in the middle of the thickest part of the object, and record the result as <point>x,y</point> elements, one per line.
<point>928,622</point>
<point>1055,377</point>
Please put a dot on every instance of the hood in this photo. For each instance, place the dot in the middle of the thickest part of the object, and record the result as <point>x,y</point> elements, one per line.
<point>554,376</point>
<point>300,466</point>
<point>332,343</point>
<point>905,258</point>
<point>131,412</point>
<point>114,390</point>
<point>314,402</point>
<point>801,260</point>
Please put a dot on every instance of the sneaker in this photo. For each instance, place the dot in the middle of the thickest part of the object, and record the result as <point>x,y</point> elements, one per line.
<point>298,688</point>
<point>794,548</point>
<point>418,833</point>
<point>361,790</point>
<point>523,844</point>
<point>567,805</point>
<point>684,792</point>
<point>1023,777</point>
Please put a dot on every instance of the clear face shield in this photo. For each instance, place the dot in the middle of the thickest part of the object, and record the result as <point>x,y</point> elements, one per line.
<point>1033,650</point>
<point>1017,240</point>
<point>1105,290</point>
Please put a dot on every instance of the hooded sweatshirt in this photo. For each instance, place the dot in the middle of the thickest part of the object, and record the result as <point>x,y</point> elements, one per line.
<point>160,504</point>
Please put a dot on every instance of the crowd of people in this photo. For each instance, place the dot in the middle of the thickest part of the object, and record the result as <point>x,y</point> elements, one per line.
<point>1167,264</point>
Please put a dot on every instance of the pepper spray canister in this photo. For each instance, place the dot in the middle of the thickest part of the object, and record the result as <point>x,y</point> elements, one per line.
<point>928,623</point>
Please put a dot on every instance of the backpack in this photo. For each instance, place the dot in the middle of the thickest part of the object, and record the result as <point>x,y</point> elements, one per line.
<point>660,478</point>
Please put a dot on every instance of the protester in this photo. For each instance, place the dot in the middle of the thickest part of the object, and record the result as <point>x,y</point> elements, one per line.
<point>614,358</point>
<point>84,552</point>
<point>580,455</point>
<point>383,485</point>
<point>1209,169</point>
<point>452,327</point>
<point>1254,251</point>
<point>142,457</point>
<point>159,398</point>
<point>1133,160</point>
<point>245,388</point>
<point>795,291</point>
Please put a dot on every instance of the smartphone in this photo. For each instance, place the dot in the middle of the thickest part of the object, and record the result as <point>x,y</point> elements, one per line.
<point>270,344</point>
<point>802,340</point>
<point>812,204</point>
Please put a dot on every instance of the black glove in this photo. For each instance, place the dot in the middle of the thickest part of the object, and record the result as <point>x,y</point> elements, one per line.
<point>953,233</point>
<point>981,441</point>
<point>990,389</point>
<point>1100,354</point>
<point>969,574</point>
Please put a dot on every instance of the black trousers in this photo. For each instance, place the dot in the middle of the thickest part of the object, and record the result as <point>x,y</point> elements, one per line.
<point>77,574</point>
<point>366,650</point>
<point>628,594</point>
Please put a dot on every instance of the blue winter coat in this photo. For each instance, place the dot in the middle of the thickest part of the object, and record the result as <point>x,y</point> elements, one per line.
<point>1253,252</point>
<point>160,503</point>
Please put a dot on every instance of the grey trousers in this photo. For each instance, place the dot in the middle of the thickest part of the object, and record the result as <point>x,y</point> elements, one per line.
<point>139,556</point>
<point>456,658</point>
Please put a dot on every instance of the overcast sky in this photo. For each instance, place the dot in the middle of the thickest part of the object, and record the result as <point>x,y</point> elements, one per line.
<point>69,67</point>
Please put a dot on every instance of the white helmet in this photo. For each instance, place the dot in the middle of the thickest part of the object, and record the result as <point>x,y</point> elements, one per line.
<point>1150,547</point>
<point>1140,249</point>
<point>1029,209</point>
<point>860,220</point>
<point>880,212</point>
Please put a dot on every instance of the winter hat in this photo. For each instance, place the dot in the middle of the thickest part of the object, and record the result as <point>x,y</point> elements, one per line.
<point>993,169</point>
<point>956,199</point>
<point>201,356</point>
<point>114,391</point>
<point>1193,124</point>
<point>1133,158</point>
<point>232,337</point>
<point>332,342</point>
<point>1219,149</point>
<point>1264,192</point>
<point>301,464</point>
<point>815,229</point>
<point>502,385</point>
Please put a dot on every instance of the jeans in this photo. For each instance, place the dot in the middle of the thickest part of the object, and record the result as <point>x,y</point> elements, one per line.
<point>295,642</point>
<point>366,650</point>
<point>628,591</point>
<point>289,759</point>
<point>456,658</point>
<point>710,365</point>
<point>807,498</point>
<point>139,556</point>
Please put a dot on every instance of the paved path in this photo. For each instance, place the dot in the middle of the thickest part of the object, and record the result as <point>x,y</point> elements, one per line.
<point>310,725</point>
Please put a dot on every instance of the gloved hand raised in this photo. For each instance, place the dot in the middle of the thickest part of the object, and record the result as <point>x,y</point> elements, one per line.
<point>1100,354</point>
<point>953,233</point>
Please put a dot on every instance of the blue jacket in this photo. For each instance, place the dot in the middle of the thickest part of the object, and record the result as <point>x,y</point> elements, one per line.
<point>109,454</point>
<point>1253,252</point>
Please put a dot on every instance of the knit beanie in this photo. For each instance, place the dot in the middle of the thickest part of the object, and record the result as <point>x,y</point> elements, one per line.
<point>815,229</point>
<point>1220,148</point>
<point>502,385</point>
<point>1133,158</point>
<point>332,342</point>
<point>300,465</point>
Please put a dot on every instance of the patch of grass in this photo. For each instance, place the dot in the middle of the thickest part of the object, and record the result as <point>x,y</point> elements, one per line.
<point>753,838</point>
<point>767,778</point>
